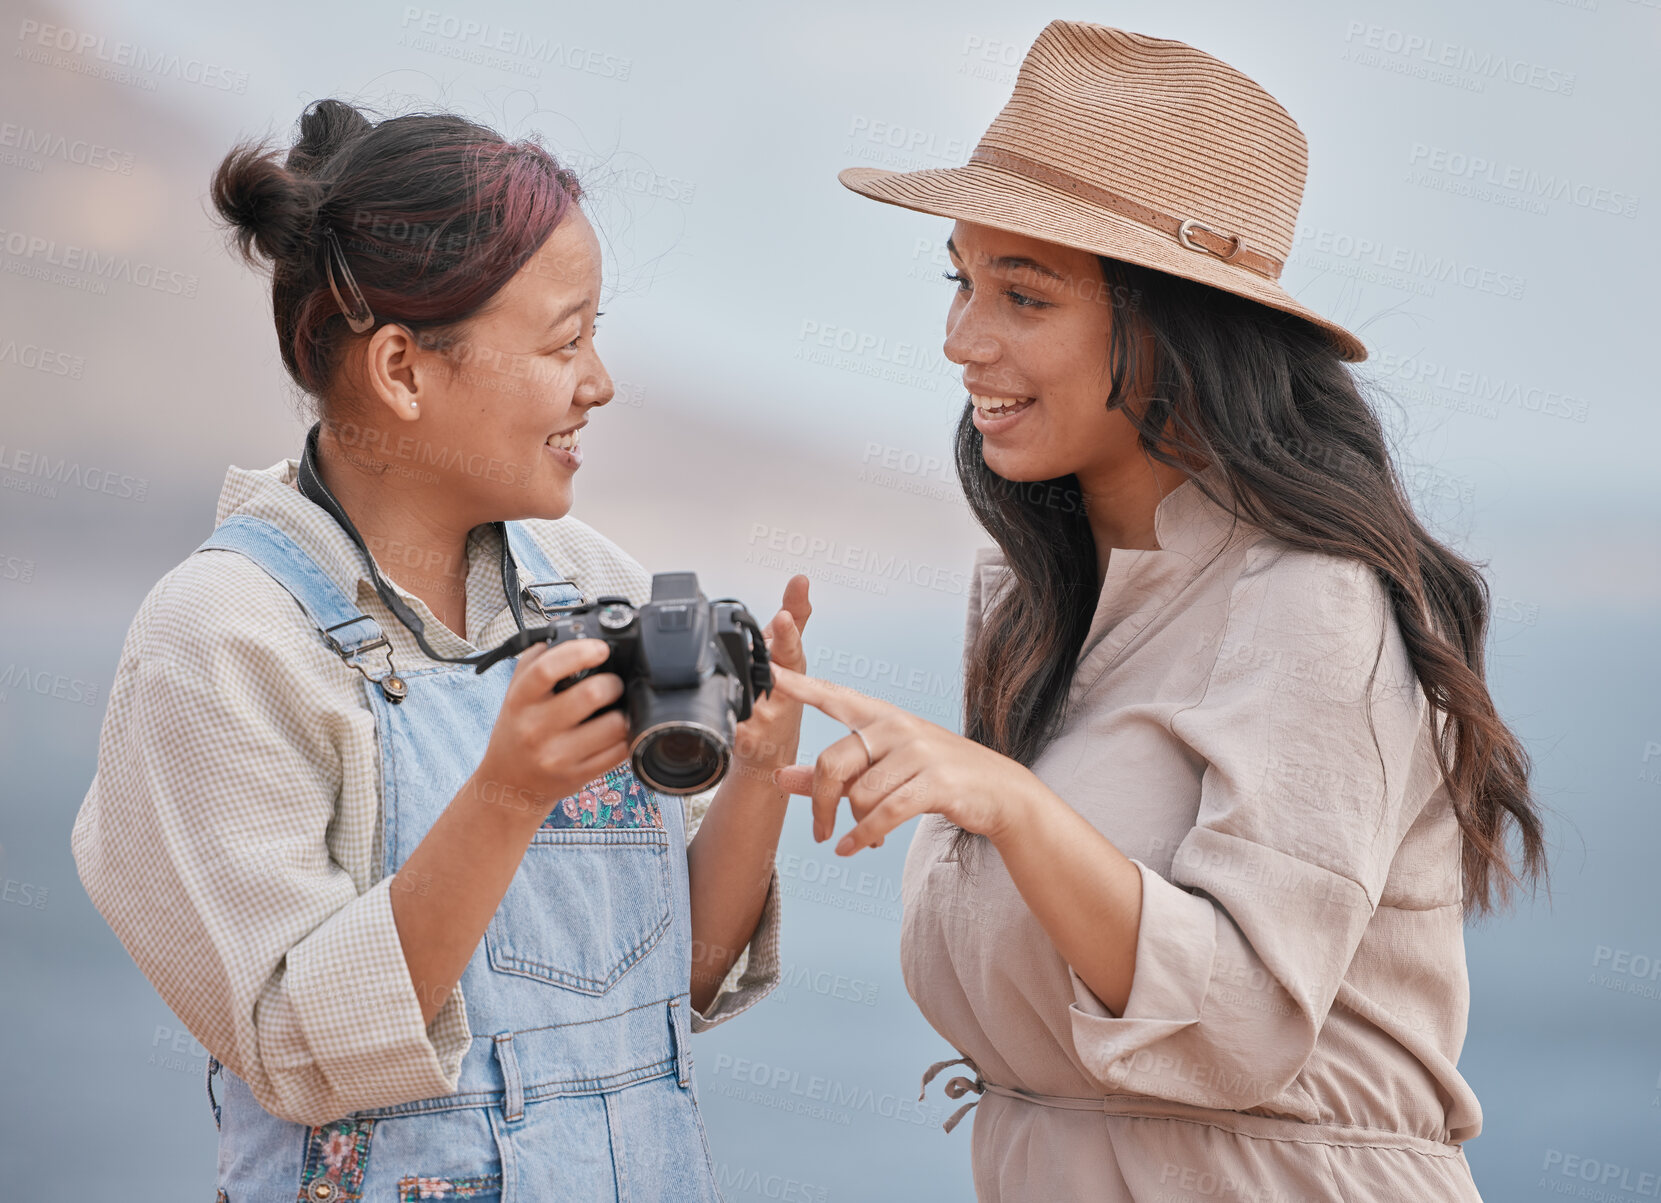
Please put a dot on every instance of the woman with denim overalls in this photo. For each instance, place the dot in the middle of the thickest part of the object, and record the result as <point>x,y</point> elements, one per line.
<point>437,285</point>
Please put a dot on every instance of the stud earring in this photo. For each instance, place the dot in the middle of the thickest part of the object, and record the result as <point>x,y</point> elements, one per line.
<point>413,406</point>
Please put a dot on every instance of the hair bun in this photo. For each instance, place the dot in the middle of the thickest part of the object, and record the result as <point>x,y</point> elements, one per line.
<point>272,206</point>
<point>270,209</point>
<point>325,127</point>
<point>416,174</point>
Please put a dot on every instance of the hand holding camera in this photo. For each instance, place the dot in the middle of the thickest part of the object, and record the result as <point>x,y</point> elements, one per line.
<point>547,745</point>
<point>688,672</point>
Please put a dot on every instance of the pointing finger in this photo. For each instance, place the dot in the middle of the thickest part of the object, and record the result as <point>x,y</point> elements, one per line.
<point>846,706</point>
<point>794,778</point>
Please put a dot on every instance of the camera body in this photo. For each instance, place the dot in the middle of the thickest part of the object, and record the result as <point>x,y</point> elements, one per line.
<point>691,671</point>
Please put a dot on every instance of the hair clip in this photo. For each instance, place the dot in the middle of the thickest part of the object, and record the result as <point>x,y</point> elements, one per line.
<point>357,314</point>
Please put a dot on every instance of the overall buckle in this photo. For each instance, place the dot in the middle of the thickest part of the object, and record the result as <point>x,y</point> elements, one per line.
<point>392,685</point>
<point>528,592</point>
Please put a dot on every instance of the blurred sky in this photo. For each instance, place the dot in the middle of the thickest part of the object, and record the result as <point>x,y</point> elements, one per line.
<point>709,137</point>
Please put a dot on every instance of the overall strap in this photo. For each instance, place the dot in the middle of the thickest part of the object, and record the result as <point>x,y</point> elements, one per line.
<point>351,634</point>
<point>546,589</point>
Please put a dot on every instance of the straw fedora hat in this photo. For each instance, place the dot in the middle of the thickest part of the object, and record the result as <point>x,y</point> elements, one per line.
<point>1136,148</point>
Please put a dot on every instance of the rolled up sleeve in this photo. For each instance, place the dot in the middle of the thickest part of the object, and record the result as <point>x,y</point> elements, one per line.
<point>204,843</point>
<point>755,974</point>
<point>1241,951</point>
<point>355,959</point>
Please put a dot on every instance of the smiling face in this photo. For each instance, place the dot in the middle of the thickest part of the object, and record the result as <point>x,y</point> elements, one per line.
<point>1030,323</point>
<point>495,415</point>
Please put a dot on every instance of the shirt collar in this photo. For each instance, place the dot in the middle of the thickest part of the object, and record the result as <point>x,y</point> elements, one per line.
<point>1186,523</point>
<point>270,493</point>
<point>1190,529</point>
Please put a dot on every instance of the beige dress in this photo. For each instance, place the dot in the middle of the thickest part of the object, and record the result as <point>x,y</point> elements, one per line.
<point>1300,991</point>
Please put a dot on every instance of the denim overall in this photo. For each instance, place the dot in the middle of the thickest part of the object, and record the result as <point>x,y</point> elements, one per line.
<point>578,1081</point>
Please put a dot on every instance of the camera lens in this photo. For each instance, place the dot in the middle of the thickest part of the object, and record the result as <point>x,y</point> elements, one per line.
<point>680,757</point>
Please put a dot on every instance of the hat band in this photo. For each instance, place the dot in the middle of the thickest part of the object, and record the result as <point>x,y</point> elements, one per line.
<point>1191,233</point>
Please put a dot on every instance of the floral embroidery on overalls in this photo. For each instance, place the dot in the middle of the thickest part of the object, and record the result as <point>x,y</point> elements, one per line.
<point>336,1156</point>
<point>615,800</point>
<point>418,1190</point>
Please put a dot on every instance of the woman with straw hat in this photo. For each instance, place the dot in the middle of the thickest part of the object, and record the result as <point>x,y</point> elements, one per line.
<point>1187,894</point>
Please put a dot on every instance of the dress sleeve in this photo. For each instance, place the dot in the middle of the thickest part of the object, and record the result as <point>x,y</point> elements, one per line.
<point>203,841</point>
<point>755,973</point>
<point>1241,952</point>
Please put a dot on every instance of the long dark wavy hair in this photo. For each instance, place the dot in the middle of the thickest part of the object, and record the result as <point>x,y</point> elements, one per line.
<point>1263,396</point>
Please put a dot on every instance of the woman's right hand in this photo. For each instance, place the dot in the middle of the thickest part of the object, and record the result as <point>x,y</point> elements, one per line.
<point>546,746</point>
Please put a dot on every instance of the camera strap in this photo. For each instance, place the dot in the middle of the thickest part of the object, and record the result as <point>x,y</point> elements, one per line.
<point>311,484</point>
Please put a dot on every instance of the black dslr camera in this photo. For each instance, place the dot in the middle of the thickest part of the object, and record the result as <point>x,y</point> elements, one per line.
<point>691,672</point>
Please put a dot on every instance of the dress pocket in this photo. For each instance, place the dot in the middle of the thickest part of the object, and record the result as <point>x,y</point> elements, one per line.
<point>586,905</point>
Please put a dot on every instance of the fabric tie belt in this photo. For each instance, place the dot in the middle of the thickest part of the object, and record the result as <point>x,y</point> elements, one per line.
<point>1141,1106</point>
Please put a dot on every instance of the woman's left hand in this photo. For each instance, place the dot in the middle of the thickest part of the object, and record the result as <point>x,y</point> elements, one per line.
<point>915,767</point>
<point>769,736</point>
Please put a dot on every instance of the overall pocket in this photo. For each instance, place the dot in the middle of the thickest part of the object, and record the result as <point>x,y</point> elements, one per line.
<point>586,905</point>
<point>481,1188</point>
